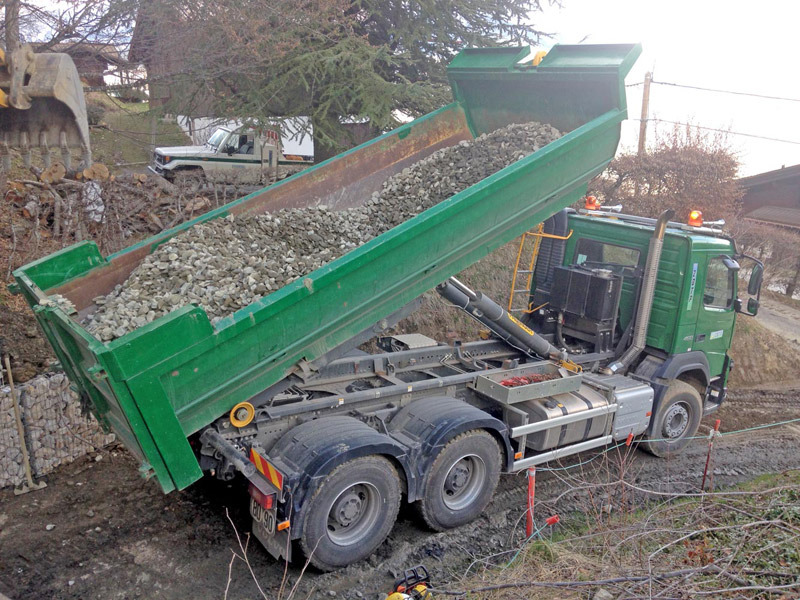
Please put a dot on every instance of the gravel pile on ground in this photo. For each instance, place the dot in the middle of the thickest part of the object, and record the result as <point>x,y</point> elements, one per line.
<point>226,264</point>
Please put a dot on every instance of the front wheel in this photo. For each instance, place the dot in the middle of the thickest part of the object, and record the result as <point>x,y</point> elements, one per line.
<point>676,420</point>
<point>351,513</point>
<point>461,480</point>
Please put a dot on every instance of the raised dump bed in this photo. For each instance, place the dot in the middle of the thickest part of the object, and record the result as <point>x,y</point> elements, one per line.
<point>157,385</point>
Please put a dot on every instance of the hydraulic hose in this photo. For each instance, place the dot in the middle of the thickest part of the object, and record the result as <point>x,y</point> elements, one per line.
<point>489,313</point>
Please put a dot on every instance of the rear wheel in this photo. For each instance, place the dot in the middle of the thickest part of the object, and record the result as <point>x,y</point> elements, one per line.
<point>351,513</point>
<point>461,480</point>
<point>676,420</point>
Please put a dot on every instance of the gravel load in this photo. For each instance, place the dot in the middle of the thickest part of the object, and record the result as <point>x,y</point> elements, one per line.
<point>225,264</point>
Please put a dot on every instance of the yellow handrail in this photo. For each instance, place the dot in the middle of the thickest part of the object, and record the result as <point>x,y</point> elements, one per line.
<point>538,234</point>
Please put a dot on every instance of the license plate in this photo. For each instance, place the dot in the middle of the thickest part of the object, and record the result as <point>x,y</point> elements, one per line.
<point>262,518</point>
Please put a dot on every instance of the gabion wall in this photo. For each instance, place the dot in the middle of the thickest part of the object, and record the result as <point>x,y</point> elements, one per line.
<point>56,432</point>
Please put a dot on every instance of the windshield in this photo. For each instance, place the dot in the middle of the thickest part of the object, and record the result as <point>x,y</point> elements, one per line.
<point>217,137</point>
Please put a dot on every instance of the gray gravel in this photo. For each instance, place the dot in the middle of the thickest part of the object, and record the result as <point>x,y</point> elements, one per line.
<point>56,430</point>
<point>226,264</point>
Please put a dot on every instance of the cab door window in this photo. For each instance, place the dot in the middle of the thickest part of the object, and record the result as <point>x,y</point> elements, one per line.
<point>718,292</point>
<point>246,143</point>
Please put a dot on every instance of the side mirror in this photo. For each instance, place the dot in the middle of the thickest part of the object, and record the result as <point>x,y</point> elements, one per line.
<point>230,150</point>
<point>754,285</point>
<point>753,296</point>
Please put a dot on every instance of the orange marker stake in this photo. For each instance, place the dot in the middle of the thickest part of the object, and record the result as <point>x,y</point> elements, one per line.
<point>711,437</point>
<point>531,494</point>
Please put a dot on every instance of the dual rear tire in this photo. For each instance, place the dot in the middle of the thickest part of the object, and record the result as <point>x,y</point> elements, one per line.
<point>352,512</point>
<point>461,480</point>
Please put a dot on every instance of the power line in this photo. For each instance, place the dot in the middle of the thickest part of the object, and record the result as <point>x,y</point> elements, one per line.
<point>750,135</point>
<point>715,90</point>
<point>719,91</point>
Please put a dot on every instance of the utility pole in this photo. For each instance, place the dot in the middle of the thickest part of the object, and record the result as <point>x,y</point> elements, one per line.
<point>648,77</point>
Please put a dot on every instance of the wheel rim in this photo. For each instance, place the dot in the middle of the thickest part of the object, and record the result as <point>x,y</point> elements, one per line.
<point>353,513</point>
<point>463,482</point>
<point>676,421</point>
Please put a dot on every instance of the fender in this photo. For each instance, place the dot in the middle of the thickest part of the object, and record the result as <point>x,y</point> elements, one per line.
<point>312,450</point>
<point>427,425</point>
<point>677,364</point>
<point>659,372</point>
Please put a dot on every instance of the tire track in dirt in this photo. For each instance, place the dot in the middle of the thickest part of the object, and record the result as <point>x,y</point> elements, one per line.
<point>593,490</point>
<point>116,536</point>
<point>780,318</point>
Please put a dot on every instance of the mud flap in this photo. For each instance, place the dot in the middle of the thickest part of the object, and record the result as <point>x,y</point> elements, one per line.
<point>277,544</point>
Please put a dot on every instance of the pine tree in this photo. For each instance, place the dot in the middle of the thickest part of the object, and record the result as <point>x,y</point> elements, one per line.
<point>328,59</point>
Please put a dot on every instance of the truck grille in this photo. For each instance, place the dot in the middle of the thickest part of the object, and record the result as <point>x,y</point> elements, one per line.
<point>159,160</point>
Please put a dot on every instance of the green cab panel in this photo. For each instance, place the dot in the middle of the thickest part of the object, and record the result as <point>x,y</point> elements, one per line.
<point>691,309</point>
<point>165,381</point>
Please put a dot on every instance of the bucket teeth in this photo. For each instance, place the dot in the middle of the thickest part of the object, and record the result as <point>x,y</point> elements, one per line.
<point>6,156</point>
<point>66,158</point>
<point>25,148</point>
<point>42,105</point>
<point>21,141</point>
<point>45,149</point>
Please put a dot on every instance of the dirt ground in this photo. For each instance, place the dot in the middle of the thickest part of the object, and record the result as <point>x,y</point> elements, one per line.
<point>99,531</point>
<point>30,353</point>
<point>780,318</point>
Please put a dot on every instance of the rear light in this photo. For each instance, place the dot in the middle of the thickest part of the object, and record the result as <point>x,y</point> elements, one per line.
<point>267,501</point>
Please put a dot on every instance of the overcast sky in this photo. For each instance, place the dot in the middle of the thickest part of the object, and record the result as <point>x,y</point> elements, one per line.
<point>732,45</point>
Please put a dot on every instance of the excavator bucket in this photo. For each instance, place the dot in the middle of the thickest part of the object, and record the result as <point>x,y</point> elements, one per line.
<point>41,105</point>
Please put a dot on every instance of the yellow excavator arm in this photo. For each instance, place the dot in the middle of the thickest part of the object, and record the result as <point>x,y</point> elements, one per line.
<point>41,105</point>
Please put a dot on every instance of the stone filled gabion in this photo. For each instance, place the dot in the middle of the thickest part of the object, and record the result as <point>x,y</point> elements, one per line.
<point>225,264</point>
<point>56,430</point>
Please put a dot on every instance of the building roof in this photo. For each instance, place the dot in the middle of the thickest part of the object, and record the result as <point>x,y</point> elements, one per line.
<point>776,215</point>
<point>770,176</point>
<point>107,52</point>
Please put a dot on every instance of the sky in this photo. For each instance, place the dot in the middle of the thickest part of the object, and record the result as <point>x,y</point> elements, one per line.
<point>751,47</point>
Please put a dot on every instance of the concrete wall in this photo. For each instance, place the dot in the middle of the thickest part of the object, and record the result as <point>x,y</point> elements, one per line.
<point>55,430</point>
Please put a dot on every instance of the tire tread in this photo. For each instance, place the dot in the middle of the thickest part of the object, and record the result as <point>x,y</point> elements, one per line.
<point>378,461</point>
<point>425,510</point>
<point>656,447</point>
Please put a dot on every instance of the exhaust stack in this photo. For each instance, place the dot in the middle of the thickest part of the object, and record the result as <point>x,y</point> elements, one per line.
<point>646,299</point>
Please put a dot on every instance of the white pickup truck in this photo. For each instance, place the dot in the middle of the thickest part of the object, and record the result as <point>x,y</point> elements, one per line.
<point>243,155</point>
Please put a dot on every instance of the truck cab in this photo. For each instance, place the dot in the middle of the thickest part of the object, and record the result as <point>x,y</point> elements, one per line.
<point>695,301</point>
<point>234,155</point>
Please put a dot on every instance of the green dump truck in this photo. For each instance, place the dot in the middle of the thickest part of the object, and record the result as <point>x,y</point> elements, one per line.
<point>625,329</point>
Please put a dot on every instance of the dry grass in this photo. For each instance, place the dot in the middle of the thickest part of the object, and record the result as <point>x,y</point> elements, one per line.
<point>738,543</point>
<point>125,136</point>
<point>438,319</point>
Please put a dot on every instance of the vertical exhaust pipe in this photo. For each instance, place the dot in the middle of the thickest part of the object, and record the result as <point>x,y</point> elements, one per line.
<point>646,298</point>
